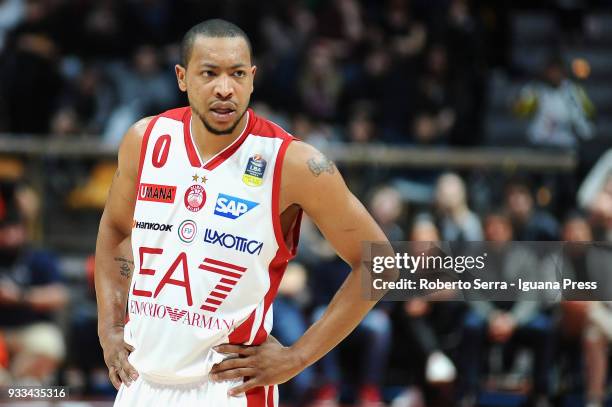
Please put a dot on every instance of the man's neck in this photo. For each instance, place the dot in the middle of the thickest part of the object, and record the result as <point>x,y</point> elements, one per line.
<point>210,144</point>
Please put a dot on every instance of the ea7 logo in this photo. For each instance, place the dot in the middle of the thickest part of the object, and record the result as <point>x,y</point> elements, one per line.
<point>232,207</point>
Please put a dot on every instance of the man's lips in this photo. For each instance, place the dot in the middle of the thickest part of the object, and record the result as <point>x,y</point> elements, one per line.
<point>223,114</point>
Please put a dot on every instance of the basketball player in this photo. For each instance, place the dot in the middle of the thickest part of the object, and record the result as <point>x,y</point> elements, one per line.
<point>201,220</point>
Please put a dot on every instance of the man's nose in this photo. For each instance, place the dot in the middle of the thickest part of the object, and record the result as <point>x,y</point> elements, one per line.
<point>223,87</point>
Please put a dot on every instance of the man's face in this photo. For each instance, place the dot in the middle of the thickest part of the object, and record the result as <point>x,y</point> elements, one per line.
<point>497,229</point>
<point>218,80</point>
<point>519,202</point>
<point>12,237</point>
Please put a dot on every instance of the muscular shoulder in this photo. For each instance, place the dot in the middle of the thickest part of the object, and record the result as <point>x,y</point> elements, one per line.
<point>129,150</point>
<point>133,137</point>
<point>308,176</point>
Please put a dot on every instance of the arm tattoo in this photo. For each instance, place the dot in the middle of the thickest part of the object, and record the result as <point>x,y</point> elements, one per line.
<point>320,165</point>
<point>124,268</point>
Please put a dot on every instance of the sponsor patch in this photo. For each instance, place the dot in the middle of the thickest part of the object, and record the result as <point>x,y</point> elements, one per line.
<point>187,231</point>
<point>231,207</point>
<point>235,242</point>
<point>156,193</point>
<point>152,226</point>
<point>254,172</point>
<point>195,198</point>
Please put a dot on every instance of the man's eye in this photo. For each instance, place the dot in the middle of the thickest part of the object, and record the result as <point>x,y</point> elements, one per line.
<point>208,73</point>
<point>239,74</point>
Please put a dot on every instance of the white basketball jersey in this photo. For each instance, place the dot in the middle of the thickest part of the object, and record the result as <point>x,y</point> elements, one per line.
<point>209,251</point>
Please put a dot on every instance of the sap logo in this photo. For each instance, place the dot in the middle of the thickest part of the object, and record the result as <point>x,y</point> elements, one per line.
<point>230,241</point>
<point>232,207</point>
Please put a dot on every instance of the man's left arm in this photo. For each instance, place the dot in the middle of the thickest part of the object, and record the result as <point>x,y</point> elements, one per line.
<point>313,182</point>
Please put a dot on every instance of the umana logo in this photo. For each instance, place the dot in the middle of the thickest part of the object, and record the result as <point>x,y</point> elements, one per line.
<point>156,193</point>
<point>231,207</point>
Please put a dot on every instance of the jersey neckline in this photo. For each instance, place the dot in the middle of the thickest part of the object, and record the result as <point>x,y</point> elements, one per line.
<point>216,160</point>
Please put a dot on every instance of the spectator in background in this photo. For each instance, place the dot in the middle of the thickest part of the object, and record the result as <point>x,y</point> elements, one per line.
<point>321,82</point>
<point>144,88</point>
<point>588,322</point>
<point>430,327</point>
<point>11,13</point>
<point>86,104</point>
<point>372,335</point>
<point>386,207</point>
<point>31,291</point>
<point>407,35</point>
<point>84,369</point>
<point>290,324</point>
<point>435,118</point>
<point>361,128</point>
<point>528,222</point>
<point>341,22</point>
<point>561,109</point>
<point>595,196</point>
<point>507,323</point>
<point>100,30</point>
<point>30,82</point>
<point>464,42</point>
<point>5,377</point>
<point>313,131</point>
<point>457,222</point>
<point>392,69</point>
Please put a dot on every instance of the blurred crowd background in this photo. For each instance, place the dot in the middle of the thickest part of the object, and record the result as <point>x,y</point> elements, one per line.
<point>449,76</point>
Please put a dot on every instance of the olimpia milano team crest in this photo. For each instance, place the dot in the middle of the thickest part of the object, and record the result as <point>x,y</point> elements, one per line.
<point>195,197</point>
<point>254,172</point>
<point>187,231</point>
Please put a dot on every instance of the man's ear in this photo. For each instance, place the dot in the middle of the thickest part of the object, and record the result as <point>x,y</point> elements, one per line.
<point>253,71</point>
<point>180,77</point>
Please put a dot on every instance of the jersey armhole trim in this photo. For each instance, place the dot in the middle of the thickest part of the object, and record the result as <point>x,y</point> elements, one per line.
<point>284,250</point>
<point>143,151</point>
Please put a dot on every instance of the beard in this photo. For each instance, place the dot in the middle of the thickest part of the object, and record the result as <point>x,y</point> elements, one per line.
<point>215,130</point>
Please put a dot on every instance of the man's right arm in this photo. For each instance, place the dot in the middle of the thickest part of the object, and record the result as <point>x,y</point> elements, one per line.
<point>114,262</point>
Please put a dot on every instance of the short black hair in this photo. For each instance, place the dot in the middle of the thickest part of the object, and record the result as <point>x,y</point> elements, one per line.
<point>213,28</point>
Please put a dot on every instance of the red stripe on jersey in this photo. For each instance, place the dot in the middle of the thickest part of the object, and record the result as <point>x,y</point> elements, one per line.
<point>279,263</point>
<point>208,308</point>
<point>224,264</point>
<point>271,396</point>
<point>143,150</point>
<point>213,301</point>
<point>225,154</point>
<point>219,271</point>
<point>192,153</point>
<point>175,114</point>
<point>223,288</point>
<point>284,254</point>
<point>242,333</point>
<point>218,294</point>
<point>213,163</point>
<point>256,397</point>
<point>278,231</point>
<point>228,281</point>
